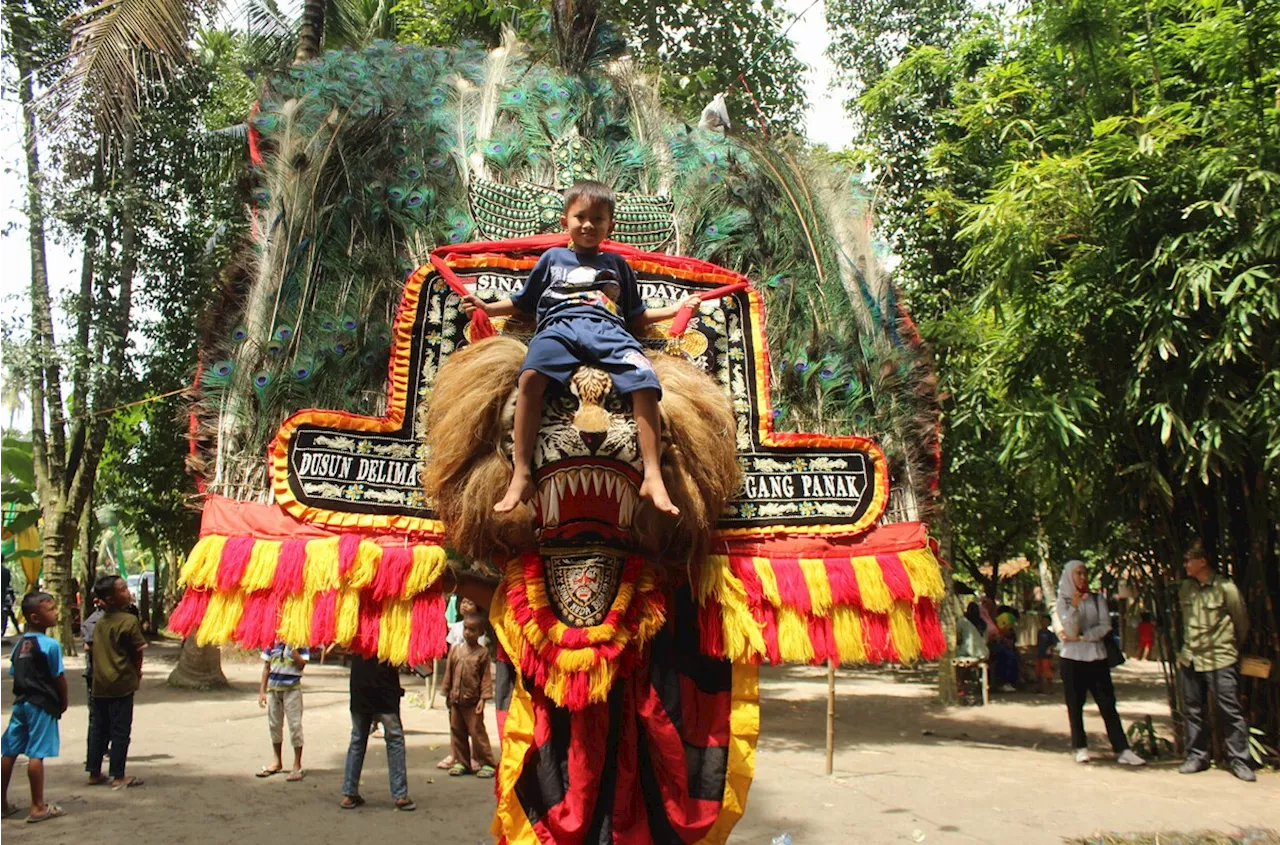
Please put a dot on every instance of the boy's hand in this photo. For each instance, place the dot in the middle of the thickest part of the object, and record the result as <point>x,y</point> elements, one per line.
<point>480,706</point>
<point>262,699</point>
<point>690,301</point>
<point>472,303</point>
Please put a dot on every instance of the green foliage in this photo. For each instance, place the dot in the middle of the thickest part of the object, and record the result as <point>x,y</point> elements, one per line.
<point>19,504</point>
<point>699,48</point>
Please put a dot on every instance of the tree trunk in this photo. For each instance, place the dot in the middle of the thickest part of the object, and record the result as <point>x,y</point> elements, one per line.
<point>199,667</point>
<point>157,597</point>
<point>311,33</point>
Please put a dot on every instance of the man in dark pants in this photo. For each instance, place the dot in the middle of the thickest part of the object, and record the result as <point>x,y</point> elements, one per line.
<point>1215,623</point>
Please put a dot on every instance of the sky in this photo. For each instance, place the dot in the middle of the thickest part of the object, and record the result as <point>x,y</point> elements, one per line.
<point>826,123</point>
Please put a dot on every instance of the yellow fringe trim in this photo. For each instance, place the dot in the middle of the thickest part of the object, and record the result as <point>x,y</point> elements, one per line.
<point>393,632</point>
<point>347,617</point>
<point>925,573</point>
<point>793,636</point>
<point>365,566</point>
<point>295,619</point>
<point>201,569</point>
<point>220,619</point>
<point>815,576</point>
<point>743,635</point>
<point>768,581</point>
<point>902,629</point>
<point>846,624</point>
<point>875,593</point>
<point>429,563</point>
<point>260,574</point>
<point>321,570</point>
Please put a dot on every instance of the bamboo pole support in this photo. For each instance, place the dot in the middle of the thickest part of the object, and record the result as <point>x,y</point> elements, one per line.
<point>831,716</point>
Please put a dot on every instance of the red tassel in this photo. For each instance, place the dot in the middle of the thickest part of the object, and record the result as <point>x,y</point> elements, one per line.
<point>289,568</point>
<point>875,636</point>
<point>932,641</point>
<point>844,584</point>
<point>577,690</point>
<point>823,639</point>
<point>792,588</point>
<point>249,631</point>
<point>711,628</point>
<point>428,628</point>
<point>770,619</point>
<point>189,613</point>
<point>348,545</point>
<point>234,561</point>
<point>745,570</point>
<point>369,629</point>
<point>895,577</point>
<point>392,572</point>
<point>324,618</point>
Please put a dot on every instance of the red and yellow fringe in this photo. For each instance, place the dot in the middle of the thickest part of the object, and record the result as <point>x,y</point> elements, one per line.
<point>377,600</point>
<point>575,667</point>
<point>862,609</point>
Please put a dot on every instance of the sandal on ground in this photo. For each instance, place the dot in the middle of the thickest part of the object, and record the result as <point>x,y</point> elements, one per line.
<point>51,811</point>
<point>457,770</point>
<point>484,772</point>
<point>128,783</point>
<point>9,810</point>
<point>296,775</point>
<point>350,802</point>
<point>98,780</point>
<point>406,805</point>
<point>446,763</point>
<point>266,772</point>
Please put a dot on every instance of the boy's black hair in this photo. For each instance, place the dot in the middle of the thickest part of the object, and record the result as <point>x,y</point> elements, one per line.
<point>1196,549</point>
<point>473,619</point>
<point>593,192</point>
<point>31,603</point>
<point>1146,617</point>
<point>105,586</point>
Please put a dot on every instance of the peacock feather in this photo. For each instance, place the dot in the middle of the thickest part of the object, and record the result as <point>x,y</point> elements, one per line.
<point>371,158</point>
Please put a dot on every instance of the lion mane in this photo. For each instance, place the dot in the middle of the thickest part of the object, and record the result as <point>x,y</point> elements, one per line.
<point>468,427</point>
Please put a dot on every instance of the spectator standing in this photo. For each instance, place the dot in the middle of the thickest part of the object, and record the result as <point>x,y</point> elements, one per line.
<point>1215,623</point>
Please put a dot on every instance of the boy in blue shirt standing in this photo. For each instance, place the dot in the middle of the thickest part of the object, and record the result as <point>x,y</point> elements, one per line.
<point>40,699</point>
<point>280,692</point>
<point>587,304</point>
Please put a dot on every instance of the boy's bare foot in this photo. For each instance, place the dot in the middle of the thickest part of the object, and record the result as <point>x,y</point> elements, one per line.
<point>519,490</point>
<point>656,492</point>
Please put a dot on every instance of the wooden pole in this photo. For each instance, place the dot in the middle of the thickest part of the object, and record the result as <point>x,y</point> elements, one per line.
<point>831,716</point>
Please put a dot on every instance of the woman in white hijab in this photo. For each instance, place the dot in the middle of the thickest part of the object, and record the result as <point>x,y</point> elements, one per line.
<point>1085,621</point>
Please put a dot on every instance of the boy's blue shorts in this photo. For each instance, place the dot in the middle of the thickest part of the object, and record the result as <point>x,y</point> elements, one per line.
<point>560,348</point>
<point>32,731</point>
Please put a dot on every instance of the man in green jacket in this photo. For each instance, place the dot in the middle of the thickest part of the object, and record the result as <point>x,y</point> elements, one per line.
<point>1214,624</point>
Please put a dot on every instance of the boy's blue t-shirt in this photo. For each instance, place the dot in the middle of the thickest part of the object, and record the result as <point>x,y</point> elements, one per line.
<point>36,662</point>
<point>1045,641</point>
<point>565,284</point>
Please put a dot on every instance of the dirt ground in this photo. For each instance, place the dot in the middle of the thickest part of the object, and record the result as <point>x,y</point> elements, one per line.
<point>907,770</point>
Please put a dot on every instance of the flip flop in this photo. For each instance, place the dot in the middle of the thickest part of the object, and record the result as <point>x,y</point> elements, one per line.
<point>458,770</point>
<point>266,773</point>
<point>446,763</point>
<point>9,810</point>
<point>484,772</point>
<point>51,811</point>
<point>98,780</point>
<point>350,802</point>
<point>294,777</point>
<point>128,783</point>
<point>407,806</point>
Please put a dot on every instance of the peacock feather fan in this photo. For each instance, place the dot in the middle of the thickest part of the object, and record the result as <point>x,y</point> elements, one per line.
<point>372,158</point>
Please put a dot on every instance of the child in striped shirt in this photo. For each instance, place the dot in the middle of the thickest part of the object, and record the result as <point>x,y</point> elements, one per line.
<point>281,694</point>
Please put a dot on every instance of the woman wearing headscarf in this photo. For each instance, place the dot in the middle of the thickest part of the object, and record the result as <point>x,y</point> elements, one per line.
<point>1085,621</point>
